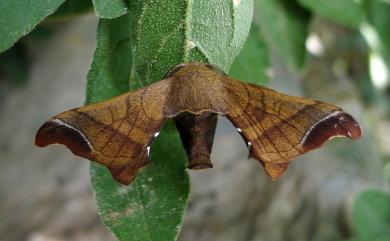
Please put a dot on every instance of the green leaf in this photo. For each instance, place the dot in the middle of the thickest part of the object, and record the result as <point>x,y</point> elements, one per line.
<point>110,8</point>
<point>375,238</point>
<point>378,16</point>
<point>285,26</point>
<point>152,207</point>
<point>171,32</point>
<point>386,172</point>
<point>371,214</point>
<point>141,47</point>
<point>73,7</point>
<point>19,17</point>
<point>110,70</point>
<point>252,63</point>
<point>347,12</point>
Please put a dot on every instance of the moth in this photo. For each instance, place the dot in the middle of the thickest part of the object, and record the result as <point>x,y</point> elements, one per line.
<point>118,133</point>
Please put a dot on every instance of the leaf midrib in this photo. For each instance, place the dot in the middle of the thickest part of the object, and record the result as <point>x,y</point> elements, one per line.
<point>146,224</point>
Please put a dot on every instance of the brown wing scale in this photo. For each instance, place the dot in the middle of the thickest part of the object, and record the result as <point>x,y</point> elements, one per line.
<point>278,127</point>
<point>116,133</point>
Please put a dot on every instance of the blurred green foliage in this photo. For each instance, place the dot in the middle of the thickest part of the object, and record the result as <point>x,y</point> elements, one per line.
<point>285,26</point>
<point>252,64</point>
<point>346,12</point>
<point>371,216</point>
<point>377,14</point>
<point>138,41</point>
<point>14,64</point>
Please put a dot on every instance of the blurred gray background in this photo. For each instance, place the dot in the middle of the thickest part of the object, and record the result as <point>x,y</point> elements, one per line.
<point>45,194</point>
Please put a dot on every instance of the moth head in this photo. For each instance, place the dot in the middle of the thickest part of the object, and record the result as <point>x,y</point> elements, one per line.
<point>192,67</point>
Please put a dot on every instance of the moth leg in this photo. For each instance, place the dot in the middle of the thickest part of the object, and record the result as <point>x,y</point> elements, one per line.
<point>197,135</point>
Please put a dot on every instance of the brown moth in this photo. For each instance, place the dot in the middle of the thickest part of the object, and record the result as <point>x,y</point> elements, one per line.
<point>118,133</point>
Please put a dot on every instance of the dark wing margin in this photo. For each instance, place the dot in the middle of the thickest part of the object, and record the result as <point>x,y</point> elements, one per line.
<point>116,133</point>
<point>277,128</point>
